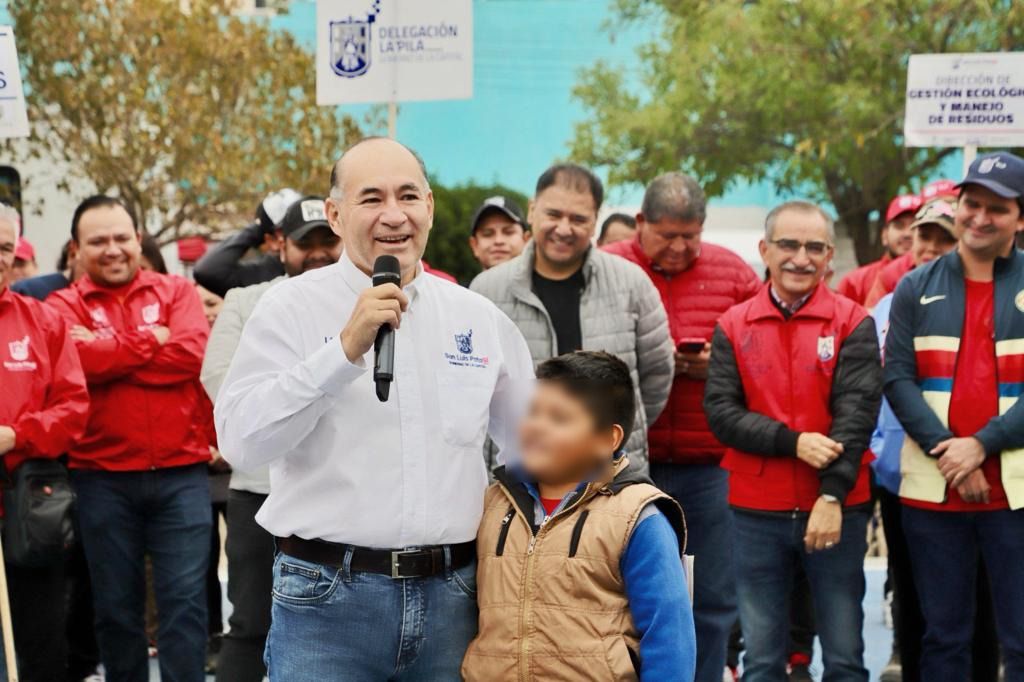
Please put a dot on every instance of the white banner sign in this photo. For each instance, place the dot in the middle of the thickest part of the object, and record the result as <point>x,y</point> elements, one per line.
<point>393,50</point>
<point>13,117</point>
<point>956,100</point>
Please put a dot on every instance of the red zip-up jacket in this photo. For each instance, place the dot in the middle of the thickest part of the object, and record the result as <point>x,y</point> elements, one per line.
<point>44,396</point>
<point>147,403</point>
<point>857,283</point>
<point>694,300</point>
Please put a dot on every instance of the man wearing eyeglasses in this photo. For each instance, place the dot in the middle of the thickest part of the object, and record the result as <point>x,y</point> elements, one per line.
<point>793,391</point>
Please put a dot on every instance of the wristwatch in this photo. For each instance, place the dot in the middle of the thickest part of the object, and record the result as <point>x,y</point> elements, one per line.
<point>830,498</point>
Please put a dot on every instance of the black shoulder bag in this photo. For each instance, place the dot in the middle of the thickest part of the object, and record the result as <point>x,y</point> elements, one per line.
<point>38,526</point>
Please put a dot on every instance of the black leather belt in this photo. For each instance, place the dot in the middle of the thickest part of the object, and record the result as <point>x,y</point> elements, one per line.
<point>396,563</point>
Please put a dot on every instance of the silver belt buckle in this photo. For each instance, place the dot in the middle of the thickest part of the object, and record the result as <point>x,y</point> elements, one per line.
<point>394,561</point>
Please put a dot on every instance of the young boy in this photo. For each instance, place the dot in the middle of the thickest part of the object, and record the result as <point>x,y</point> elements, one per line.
<point>579,574</point>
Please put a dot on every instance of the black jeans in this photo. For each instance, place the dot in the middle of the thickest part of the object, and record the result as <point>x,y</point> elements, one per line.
<point>908,623</point>
<point>37,615</point>
<point>250,552</point>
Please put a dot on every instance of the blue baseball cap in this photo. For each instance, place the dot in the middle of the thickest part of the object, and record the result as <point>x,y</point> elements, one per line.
<point>1000,172</point>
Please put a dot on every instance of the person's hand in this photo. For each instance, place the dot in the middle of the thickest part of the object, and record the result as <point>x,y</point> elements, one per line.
<point>694,365</point>
<point>975,487</point>
<point>376,307</point>
<point>218,465</point>
<point>958,457</point>
<point>161,333</point>
<point>8,439</point>
<point>817,450</point>
<point>824,526</point>
<point>80,333</point>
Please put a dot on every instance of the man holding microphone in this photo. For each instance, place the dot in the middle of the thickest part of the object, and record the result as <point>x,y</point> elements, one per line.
<point>374,503</point>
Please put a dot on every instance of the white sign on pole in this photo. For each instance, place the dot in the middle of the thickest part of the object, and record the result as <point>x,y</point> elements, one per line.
<point>13,116</point>
<point>393,50</point>
<point>960,100</point>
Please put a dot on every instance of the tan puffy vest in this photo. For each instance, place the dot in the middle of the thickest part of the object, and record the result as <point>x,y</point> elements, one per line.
<point>554,607</point>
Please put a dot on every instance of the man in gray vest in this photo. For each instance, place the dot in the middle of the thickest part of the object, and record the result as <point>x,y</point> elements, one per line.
<point>565,295</point>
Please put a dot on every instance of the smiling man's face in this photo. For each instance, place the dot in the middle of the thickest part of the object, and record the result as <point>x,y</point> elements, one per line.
<point>385,206</point>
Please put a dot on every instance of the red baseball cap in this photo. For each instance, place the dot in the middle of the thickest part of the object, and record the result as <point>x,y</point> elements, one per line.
<point>905,203</point>
<point>939,189</point>
<point>25,250</point>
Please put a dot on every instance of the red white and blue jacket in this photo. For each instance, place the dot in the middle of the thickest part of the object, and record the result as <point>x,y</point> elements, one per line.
<point>921,352</point>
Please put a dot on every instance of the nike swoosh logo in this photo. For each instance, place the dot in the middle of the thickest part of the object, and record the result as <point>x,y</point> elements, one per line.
<point>925,300</point>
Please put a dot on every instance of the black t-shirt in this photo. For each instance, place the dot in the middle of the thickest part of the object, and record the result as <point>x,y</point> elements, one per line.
<point>561,298</point>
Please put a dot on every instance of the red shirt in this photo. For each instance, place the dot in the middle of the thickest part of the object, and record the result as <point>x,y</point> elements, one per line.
<point>44,398</point>
<point>148,409</point>
<point>975,397</point>
<point>549,505</point>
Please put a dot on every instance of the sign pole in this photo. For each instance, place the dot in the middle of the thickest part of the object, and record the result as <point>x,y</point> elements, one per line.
<point>392,119</point>
<point>970,154</point>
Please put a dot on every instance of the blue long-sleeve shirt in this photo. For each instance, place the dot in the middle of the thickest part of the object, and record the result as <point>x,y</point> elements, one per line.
<point>658,601</point>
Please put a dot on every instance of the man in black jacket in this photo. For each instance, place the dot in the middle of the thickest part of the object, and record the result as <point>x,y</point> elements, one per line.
<point>223,268</point>
<point>793,391</point>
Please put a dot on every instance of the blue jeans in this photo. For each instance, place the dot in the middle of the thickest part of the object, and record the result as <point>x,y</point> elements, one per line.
<point>944,549</point>
<point>336,624</point>
<point>124,516</point>
<point>770,548</point>
<point>702,491</point>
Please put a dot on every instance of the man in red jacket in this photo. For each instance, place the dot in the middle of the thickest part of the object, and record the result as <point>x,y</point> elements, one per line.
<point>697,282</point>
<point>793,390</point>
<point>140,469</point>
<point>896,238</point>
<point>43,411</point>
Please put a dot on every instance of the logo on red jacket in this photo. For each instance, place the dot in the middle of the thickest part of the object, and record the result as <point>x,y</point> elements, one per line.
<point>99,317</point>
<point>19,361</point>
<point>826,348</point>
<point>151,313</point>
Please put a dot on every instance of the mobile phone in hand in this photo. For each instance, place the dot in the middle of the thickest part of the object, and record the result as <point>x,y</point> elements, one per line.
<point>691,345</point>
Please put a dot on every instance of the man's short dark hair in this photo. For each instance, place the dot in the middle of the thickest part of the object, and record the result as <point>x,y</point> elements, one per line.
<point>98,201</point>
<point>675,196</point>
<point>600,381</point>
<point>623,218</point>
<point>575,177</point>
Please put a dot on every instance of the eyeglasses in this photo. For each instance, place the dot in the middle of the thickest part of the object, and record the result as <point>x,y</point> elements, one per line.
<point>794,246</point>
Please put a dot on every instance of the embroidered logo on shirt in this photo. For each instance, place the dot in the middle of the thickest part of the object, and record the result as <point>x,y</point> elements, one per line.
<point>464,342</point>
<point>19,361</point>
<point>1018,300</point>
<point>151,313</point>
<point>925,300</point>
<point>826,348</point>
<point>464,357</point>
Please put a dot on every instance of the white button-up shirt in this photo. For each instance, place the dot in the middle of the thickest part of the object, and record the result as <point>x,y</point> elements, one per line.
<point>345,467</point>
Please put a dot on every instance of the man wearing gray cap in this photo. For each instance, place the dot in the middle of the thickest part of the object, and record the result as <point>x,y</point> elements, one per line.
<point>954,369</point>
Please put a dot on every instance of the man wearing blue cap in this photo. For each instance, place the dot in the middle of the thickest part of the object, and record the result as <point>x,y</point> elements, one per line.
<point>954,370</point>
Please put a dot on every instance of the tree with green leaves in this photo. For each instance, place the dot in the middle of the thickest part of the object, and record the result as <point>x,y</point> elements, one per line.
<point>448,247</point>
<point>188,111</point>
<point>806,94</point>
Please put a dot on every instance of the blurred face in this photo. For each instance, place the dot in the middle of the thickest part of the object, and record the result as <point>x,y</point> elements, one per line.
<point>930,242</point>
<point>616,232</point>
<point>8,236</point>
<point>563,221</point>
<point>561,442</point>
<point>24,269</point>
<point>317,248</point>
<point>670,244</point>
<point>385,207</point>
<point>898,236</point>
<point>987,223</point>
<point>212,303</point>
<point>109,248</point>
<point>797,254</point>
<point>497,239</point>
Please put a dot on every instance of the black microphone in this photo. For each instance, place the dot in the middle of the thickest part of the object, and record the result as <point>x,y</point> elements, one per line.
<point>385,271</point>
